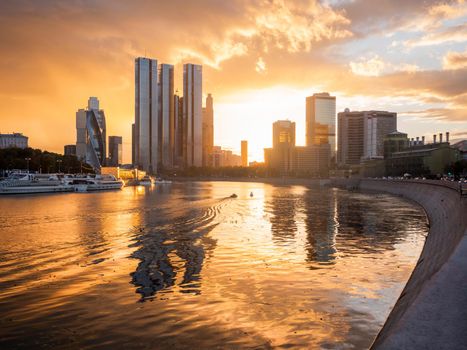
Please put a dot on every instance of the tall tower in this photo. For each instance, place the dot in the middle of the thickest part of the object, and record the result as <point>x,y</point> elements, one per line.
<point>208,131</point>
<point>244,153</point>
<point>178,147</point>
<point>90,134</point>
<point>192,114</point>
<point>146,114</point>
<point>115,150</point>
<point>166,121</point>
<point>321,120</point>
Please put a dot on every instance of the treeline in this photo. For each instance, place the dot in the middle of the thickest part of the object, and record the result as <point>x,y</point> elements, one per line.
<point>40,161</point>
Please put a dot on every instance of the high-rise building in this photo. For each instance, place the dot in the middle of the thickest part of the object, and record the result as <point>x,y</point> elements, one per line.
<point>280,156</point>
<point>361,135</point>
<point>69,150</point>
<point>16,140</point>
<point>178,147</point>
<point>146,136</point>
<point>115,150</point>
<point>192,115</point>
<point>90,134</point>
<point>321,120</point>
<point>208,131</point>
<point>133,145</point>
<point>166,116</point>
<point>244,153</point>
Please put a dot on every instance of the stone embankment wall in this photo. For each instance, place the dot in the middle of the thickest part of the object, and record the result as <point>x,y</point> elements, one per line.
<point>431,312</point>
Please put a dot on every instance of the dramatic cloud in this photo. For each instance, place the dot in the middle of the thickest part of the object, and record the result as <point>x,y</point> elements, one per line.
<point>455,60</point>
<point>55,54</point>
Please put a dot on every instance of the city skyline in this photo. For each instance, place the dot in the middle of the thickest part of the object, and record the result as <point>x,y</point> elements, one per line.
<point>260,62</point>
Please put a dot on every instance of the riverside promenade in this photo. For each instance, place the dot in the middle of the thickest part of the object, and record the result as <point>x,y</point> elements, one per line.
<point>431,312</point>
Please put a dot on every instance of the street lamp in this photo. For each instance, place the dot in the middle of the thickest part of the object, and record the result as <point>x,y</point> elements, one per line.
<point>59,161</point>
<point>27,163</point>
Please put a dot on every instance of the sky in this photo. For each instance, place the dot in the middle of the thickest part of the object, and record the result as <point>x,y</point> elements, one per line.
<point>260,58</point>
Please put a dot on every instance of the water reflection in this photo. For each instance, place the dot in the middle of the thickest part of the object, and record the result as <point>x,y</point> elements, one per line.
<point>174,243</point>
<point>283,207</point>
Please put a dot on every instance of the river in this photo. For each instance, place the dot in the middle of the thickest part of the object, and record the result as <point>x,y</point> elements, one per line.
<point>184,266</point>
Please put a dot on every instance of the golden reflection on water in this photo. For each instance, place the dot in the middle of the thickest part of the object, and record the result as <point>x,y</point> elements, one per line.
<point>185,266</point>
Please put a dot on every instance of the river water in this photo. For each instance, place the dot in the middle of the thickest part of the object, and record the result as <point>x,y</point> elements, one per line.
<point>183,266</point>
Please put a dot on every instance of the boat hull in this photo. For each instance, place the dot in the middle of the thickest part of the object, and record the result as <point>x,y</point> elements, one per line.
<point>35,189</point>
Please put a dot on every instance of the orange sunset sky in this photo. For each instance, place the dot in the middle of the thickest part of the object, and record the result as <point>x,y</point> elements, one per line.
<point>260,60</point>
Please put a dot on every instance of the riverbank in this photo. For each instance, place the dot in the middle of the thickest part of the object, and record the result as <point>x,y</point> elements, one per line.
<point>431,312</point>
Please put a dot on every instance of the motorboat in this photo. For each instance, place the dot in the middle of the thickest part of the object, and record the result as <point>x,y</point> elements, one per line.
<point>28,183</point>
<point>160,181</point>
<point>91,183</point>
<point>146,181</point>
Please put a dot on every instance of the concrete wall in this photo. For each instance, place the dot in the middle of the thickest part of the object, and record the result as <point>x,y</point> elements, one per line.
<point>431,312</point>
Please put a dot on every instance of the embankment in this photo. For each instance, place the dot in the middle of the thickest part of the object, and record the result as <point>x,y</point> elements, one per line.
<point>431,312</point>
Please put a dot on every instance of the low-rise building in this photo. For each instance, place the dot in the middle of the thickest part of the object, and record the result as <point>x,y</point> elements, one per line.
<point>69,150</point>
<point>15,139</point>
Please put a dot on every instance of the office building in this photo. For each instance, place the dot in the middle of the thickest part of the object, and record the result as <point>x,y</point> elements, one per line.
<point>90,134</point>
<point>15,139</point>
<point>395,142</point>
<point>244,153</point>
<point>208,131</point>
<point>69,150</point>
<point>224,158</point>
<point>133,146</point>
<point>321,120</point>
<point>166,132</point>
<point>115,150</point>
<point>192,115</point>
<point>361,135</point>
<point>312,160</point>
<point>178,147</point>
<point>280,156</point>
<point>146,138</point>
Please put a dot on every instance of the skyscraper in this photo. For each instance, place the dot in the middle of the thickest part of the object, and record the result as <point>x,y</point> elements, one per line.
<point>166,116</point>
<point>192,115</point>
<point>115,150</point>
<point>321,120</point>
<point>178,147</point>
<point>280,156</point>
<point>208,131</point>
<point>146,115</point>
<point>90,134</point>
<point>361,134</point>
<point>244,153</point>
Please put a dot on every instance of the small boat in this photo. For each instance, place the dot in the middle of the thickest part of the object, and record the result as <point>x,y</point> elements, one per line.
<point>146,181</point>
<point>233,195</point>
<point>160,181</point>
<point>251,194</point>
<point>26,183</point>
<point>91,183</point>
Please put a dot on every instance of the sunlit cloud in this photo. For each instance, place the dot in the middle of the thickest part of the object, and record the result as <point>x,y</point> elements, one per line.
<point>455,60</point>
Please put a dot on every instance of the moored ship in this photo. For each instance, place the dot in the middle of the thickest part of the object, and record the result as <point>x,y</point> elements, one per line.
<point>26,183</point>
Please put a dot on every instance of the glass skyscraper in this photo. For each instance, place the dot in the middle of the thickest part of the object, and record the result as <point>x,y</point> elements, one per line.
<point>166,116</point>
<point>192,114</point>
<point>146,136</point>
<point>91,134</point>
<point>321,120</point>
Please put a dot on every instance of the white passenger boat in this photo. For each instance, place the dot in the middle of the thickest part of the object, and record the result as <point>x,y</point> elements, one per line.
<point>146,181</point>
<point>26,183</point>
<point>92,183</point>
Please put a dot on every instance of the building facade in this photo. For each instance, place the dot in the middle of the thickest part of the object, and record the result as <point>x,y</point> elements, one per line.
<point>166,130</point>
<point>115,151</point>
<point>69,150</point>
<point>146,138</point>
<point>192,115</point>
<point>321,120</point>
<point>178,147</point>
<point>15,139</point>
<point>244,152</point>
<point>208,131</point>
<point>361,135</point>
<point>90,134</point>
<point>280,156</point>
